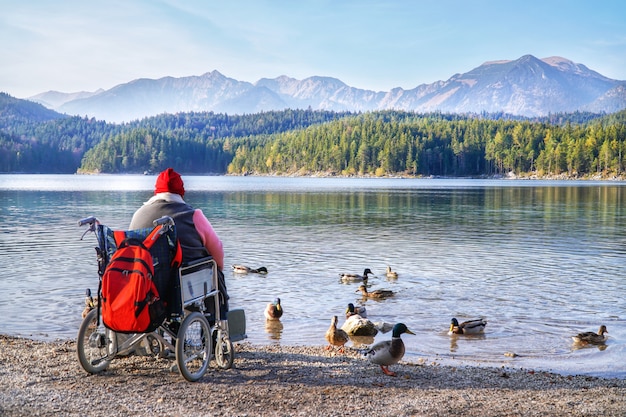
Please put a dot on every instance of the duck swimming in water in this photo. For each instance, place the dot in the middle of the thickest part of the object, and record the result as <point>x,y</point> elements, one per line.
<point>335,336</point>
<point>592,338</point>
<point>389,352</point>
<point>359,310</point>
<point>356,277</point>
<point>274,311</point>
<point>90,302</point>
<point>467,327</point>
<point>391,274</point>
<point>376,293</point>
<point>242,269</point>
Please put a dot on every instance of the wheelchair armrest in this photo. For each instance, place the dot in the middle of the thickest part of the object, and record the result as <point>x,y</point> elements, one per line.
<point>196,265</point>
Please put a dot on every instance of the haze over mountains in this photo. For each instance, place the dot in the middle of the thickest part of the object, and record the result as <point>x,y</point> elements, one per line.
<point>526,87</point>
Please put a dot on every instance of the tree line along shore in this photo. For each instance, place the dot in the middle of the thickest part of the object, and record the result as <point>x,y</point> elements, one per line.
<point>306,142</point>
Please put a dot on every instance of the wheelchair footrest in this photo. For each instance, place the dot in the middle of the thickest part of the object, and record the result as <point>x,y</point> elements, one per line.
<point>237,325</point>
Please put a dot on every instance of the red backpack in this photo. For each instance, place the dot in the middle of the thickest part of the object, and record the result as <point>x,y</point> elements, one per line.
<point>130,300</point>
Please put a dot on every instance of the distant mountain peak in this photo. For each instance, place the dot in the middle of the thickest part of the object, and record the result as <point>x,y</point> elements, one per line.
<point>557,60</point>
<point>527,86</point>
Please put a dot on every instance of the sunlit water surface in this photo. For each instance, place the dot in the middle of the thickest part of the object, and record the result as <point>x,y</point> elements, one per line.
<point>540,261</point>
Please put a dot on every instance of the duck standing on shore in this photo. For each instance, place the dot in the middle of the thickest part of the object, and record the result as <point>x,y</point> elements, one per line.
<point>274,311</point>
<point>467,327</point>
<point>389,352</point>
<point>592,338</point>
<point>335,336</point>
<point>356,277</point>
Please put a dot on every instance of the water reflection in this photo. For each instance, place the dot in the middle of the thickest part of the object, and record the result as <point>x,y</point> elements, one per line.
<point>361,341</point>
<point>274,328</point>
<point>578,346</point>
<point>469,338</point>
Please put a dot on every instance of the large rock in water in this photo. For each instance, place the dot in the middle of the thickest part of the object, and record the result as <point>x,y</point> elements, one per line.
<point>358,326</point>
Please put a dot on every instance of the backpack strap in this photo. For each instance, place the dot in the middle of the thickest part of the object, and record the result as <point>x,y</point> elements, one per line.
<point>177,260</point>
<point>119,236</point>
<point>152,237</point>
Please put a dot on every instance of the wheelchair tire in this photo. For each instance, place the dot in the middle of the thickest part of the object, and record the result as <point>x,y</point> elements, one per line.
<point>224,352</point>
<point>93,344</point>
<point>193,346</point>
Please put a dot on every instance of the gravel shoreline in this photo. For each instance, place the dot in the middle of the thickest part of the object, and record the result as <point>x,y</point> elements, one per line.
<point>45,379</point>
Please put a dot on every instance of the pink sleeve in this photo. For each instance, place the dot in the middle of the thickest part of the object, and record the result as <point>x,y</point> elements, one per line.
<point>209,238</point>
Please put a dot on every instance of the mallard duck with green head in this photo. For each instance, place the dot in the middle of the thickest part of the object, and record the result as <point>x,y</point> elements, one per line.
<point>356,310</point>
<point>376,293</point>
<point>389,352</point>
<point>356,277</point>
<point>591,338</point>
<point>336,337</point>
<point>467,327</point>
<point>90,302</point>
<point>274,311</point>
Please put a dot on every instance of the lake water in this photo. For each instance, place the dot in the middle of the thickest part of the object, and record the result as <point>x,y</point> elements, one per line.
<point>540,260</point>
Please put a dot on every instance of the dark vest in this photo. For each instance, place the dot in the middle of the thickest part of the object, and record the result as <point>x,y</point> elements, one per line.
<point>182,214</point>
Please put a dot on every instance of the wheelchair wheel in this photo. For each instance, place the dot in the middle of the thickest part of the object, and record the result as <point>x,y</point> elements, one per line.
<point>94,344</point>
<point>224,352</point>
<point>193,346</point>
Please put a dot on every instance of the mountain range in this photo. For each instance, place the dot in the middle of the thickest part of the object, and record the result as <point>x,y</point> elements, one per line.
<point>527,86</point>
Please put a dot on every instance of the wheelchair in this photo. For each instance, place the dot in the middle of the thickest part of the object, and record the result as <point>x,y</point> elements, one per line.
<point>193,324</point>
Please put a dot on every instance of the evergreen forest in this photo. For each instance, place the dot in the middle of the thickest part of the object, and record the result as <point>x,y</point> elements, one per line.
<point>305,142</point>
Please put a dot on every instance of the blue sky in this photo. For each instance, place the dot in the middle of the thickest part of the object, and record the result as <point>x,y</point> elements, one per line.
<point>83,45</point>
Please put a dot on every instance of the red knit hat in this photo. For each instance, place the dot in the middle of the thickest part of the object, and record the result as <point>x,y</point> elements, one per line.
<point>169,181</point>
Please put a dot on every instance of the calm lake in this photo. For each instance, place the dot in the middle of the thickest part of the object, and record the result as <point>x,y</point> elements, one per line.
<point>539,260</point>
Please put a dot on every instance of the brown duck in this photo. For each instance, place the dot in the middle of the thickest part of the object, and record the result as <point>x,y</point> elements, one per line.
<point>375,293</point>
<point>592,338</point>
<point>335,336</point>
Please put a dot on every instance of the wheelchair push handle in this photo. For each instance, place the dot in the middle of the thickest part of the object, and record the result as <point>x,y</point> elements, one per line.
<point>92,221</point>
<point>88,220</point>
<point>165,220</point>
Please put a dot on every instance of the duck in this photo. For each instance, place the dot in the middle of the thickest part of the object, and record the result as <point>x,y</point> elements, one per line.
<point>391,274</point>
<point>242,269</point>
<point>356,277</point>
<point>274,310</point>
<point>591,337</point>
<point>375,293</point>
<point>335,336</point>
<point>90,302</point>
<point>356,325</point>
<point>467,327</point>
<point>389,352</point>
<point>359,310</point>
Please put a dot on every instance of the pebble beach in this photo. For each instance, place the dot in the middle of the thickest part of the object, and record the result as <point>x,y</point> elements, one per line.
<point>45,379</point>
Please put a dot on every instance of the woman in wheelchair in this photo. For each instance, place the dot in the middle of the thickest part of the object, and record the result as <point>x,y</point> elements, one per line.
<point>188,314</point>
<point>195,233</point>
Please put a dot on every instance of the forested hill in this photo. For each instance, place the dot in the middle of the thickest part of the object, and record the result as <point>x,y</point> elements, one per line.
<point>306,142</point>
<point>14,111</point>
<point>390,143</point>
<point>59,144</point>
<point>379,143</point>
